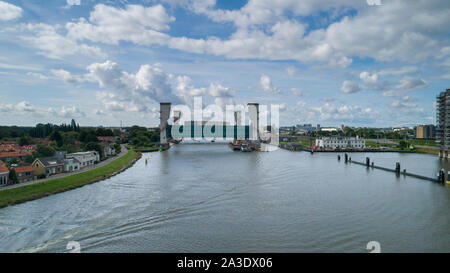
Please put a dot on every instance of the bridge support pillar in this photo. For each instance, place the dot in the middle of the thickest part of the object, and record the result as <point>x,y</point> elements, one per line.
<point>164,115</point>
<point>253,111</point>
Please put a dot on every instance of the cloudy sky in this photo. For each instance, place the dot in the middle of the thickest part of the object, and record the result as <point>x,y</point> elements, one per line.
<point>323,61</point>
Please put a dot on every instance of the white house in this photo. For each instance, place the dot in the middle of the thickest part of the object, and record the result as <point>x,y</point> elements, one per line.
<point>4,174</point>
<point>71,165</point>
<point>108,149</point>
<point>85,158</point>
<point>341,142</point>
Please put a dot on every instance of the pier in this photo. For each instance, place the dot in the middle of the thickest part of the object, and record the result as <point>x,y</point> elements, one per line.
<point>441,177</point>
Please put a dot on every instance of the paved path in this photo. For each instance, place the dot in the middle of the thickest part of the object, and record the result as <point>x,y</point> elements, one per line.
<point>123,152</point>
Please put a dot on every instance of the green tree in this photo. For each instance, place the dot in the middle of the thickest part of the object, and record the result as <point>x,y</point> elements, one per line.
<point>56,136</point>
<point>24,140</point>
<point>13,161</point>
<point>93,146</point>
<point>29,159</point>
<point>44,151</point>
<point>91,137</point>
<point>13,176</point>
<point>118,148</point>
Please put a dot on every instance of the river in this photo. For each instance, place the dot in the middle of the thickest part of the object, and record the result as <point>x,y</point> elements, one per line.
<point>207,198</point>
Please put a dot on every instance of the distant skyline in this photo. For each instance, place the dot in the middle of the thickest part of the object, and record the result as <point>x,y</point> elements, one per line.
<point>327,62</point>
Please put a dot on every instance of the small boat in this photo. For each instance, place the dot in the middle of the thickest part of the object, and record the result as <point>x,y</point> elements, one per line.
<point>236,146</point>
<point>245,148</point>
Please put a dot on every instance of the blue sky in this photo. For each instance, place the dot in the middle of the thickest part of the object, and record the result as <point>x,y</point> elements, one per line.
<point>323,61</point>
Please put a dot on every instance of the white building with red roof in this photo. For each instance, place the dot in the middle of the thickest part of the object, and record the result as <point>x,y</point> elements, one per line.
<point>4,174</point>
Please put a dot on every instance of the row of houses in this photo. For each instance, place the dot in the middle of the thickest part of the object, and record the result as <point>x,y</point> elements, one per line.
<point>9,151</point>
<point>65,162</point>
<point>60,163</point>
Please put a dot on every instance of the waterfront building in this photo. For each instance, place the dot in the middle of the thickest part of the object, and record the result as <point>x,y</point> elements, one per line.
<point>25,173</point>
<point>341,142</point>
<point>71,165</point>
<point>4,174</point>
<point>425,132</point>
<point>49,165</point>
<point>85,158</point>
<point>443,123</point>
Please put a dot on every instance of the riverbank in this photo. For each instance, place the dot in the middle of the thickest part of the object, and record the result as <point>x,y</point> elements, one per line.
<point>46,188</point>
<point>418,149</point>
<point>147,150</point>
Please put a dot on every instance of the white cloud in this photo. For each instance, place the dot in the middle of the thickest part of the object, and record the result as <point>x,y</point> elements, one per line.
<point>301,103</point>
<point>397,71</point>
<point>292,71</point>
<point>66,76</point>
<point>149,85</point>
<point>265,83</point>
<point>299,93</point>
<point>20,67</point>
<point>73,2</point>
<point>222,95</point>
<point>385,33</point>
<point>69,112</point>
<point>392,93</point>
<point>26,108</point>
<point>409,83</point>
<point>368,78</point>
<point>186,90</point>
<point>37,75</point>
<point>265,31</point>
<point>350,87</point>
<point>99,112</point>
<point>445,76</point>
<point>138,24</point>
<point>55,45</point>
<point>9,11</point>
<point>333,112</point>
<point>407,107</point>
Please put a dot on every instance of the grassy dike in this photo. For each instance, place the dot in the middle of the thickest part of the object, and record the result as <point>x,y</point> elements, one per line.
<point>46,188</point>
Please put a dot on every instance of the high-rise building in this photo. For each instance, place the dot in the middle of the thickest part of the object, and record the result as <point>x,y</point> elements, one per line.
<point>443,122</point>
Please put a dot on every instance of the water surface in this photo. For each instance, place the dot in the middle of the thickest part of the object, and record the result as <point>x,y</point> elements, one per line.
<point>206,198</point>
